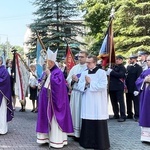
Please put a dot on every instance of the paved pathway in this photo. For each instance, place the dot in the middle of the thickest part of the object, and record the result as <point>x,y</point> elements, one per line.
<point>22,136</point>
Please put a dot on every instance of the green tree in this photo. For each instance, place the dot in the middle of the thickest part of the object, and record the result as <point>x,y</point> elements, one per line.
<point>19,49</point>
<point>55,25</point>
<point>131,26</point>
<point>96,15</point>
<point>6,48</point>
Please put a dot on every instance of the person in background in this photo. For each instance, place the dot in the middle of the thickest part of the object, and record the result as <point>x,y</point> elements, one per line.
<point>44,67</point>
<point>54,120</point>
<point>76,95</point>
<point>33,83</point>
<point>65,69</point>
<point>143,86</point>
<point>6,109</point>
<point>76,58</point>
<point>11,73</point>
<point>62,67</point>
<point>116,88</point>
<point>133,72</point>
<point>99,64</point>
<point>94,107</point>
<point>142,55</point>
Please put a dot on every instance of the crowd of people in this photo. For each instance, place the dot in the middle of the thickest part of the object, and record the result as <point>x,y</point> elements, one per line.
<point>76,104</point>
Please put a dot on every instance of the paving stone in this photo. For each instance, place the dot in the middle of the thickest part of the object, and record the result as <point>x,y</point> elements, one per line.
<point>22,135</point>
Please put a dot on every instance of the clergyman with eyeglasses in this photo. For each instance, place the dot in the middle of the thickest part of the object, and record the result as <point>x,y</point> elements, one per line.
<point>76,95</point>
<point>94,106</point>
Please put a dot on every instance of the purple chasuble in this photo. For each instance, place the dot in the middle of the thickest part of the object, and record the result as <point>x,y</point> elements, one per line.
<point>144,89</point>
<point>54,103</point>
<point>5,91</point>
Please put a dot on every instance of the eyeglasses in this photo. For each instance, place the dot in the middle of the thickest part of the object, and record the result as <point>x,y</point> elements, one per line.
<point>80,56</point>
<point>89,62</point>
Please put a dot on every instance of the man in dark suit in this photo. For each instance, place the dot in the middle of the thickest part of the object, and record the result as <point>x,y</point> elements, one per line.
<point>133,72</point>
<point>116,88</point>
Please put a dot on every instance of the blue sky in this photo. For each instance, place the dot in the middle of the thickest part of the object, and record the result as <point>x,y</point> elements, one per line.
<point>14,16</point>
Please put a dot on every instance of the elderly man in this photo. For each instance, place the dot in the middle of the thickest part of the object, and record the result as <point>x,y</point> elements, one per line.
<point>6,109</point>
<point>94,107</point>
<point>54,117</point>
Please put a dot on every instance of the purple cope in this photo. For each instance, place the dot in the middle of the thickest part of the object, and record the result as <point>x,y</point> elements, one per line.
<point>54,102</point>
<point>5,91</point>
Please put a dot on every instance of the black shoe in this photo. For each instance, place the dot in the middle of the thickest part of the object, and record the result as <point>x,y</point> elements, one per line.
<point>121,120</point>
<point>129,117</point>
<point>115,117</point>
<point>21,110</point>
<point>136,119</point>
<point>36,111</point>
<point>32,110</point>
<point>76,139</point>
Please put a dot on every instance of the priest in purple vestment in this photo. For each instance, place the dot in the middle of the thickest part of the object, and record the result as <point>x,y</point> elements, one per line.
<point>54,118</point>
<point>143,86</point>
<point>6,109</point>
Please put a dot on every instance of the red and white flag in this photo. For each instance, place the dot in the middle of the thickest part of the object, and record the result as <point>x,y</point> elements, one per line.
<point>21,77</point>
<point>70,62</point>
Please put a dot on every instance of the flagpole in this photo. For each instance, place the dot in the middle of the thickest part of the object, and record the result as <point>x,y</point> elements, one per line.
<point>111,33</point>
<point>40,41</point>
<point>107,48</point>
<point>38,37</point>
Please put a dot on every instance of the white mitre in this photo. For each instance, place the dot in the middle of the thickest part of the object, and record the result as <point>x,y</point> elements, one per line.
<point>51,56</point>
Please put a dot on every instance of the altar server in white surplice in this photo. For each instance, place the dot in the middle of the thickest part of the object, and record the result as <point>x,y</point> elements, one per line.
<point>75,98</point>
<point>94,108</point>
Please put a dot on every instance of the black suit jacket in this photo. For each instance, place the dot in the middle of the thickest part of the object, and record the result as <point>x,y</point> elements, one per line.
<point>133,72</point>
<point>117,78</point>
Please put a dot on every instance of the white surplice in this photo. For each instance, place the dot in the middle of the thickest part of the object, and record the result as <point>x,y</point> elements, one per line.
<point>75,99</point>
<point>94,102</point>
<point>3,117</point>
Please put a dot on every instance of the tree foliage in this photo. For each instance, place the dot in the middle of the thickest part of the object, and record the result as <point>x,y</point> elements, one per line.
<point>97,15</point>
<point>7,49</point>
<point>131,24</point>
<point>55,25</point>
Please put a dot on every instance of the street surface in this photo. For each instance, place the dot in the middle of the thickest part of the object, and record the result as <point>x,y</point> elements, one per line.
<point>22,135</point>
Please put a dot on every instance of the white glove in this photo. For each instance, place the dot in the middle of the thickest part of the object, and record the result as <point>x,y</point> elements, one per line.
<point>108,71</point>
<point>135,93</point>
